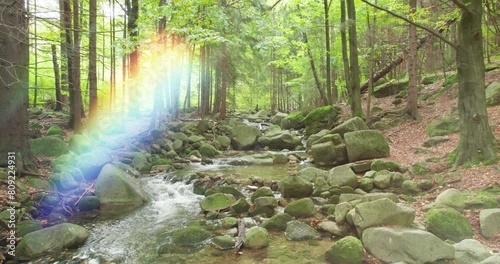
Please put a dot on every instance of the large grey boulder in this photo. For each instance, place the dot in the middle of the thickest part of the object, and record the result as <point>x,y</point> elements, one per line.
<point>300,208</point>
<point>470,251</point>
<point>332,228</point>
<point>380,213</point>
<point>493,94</point>
<point>312,173</point>
<point>495,259</point>
<point>90,164</point>
<point>278,118</point>
<point>116,187</point>
<point>296,231</point>
<point>366,144</point>
<point>451,198</point>
<point>411,246</point>
<point>328,153</point>
<point>244,137</point>
<point>350,125</point>
<point>489,220</point>
<point>342,176</point>
<point>51,239</point>
<point>49,146</point>
<point>279,139</point>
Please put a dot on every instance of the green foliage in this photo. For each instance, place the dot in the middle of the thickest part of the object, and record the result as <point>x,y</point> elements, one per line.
<point>324,113</point>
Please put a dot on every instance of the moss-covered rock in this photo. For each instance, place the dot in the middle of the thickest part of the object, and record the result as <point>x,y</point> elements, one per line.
<point>321,118</point>
<point>300,208</point>
<point>50,240</point>
<point>208,151</point>
<point>217,201</point>
<point>244,137</point>
<point>410,187</point>
<point>190,235</point>
<point>224,189</point>
<point>279,139</point>
<point>261,192</point>
<point>390,88</point>
<point>223,242</point>
<point>27,226</point>
<point>89,203</point>
<point>444,126</point>
<point>55,131</point>
<point>493,94</point>
<point>489,220</point>
<point>350,125</point>
<point>366,144</point>
<point>240,206</point>
<point>430,79</point>
<point>64,181</point>
<point>80,144</point>
<point>382,179</point>
<point>447,223</point>
<point>224,141</point>
<point>295,187</point>
<point>342,176</point>
<point>297,231</point>
<point>294,120</point>
<point>419,168</point>
<point>49,146</point>
<point>266,201</point>
<point>383,164</point>
<point>348,250</point>
<point>116,187</point>
<point>256,238</point>
<point>452,198</point>
<point>277,222</point>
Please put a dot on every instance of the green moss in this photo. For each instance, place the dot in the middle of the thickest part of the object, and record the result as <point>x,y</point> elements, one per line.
<point>324,113</point>
<point>442,127</point>
<point>191,235</point>
<point>217,201</point>
<point>447,223</point>
<point>296,116</point>
<point>481,199</point>
<point>450,80</point>
<point>347,250</point>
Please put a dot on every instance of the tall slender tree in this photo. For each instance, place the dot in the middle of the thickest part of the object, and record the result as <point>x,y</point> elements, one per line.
<point>93,60</point>
<point>327,45</point>
<point>133,16</point>
<point>14,83</point>
<point>356,109</point>
<point>412,62</point>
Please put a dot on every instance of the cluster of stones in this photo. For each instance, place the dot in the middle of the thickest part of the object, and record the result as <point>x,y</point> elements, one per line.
<point>362,212</point>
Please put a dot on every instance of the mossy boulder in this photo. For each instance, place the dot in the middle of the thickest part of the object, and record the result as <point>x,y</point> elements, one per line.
<point>277,222</point>
<point>208,151</point>
<point>256,238</point>
<point>382,212</point>
<point>64,181</point>
<point>442,127</point>
<point>217,201</point>
<point>229,222</point>
<point>89,203</point>
<point>224,189</point>
<point>51,240</point>
<point>261,192</point>
<point>450,80</point>
<point>265,201</point>
<point>469,251</point>
<point>225,142</point>
<point>382,179</point>
<point>390,88</point>
<point>434,141</point>
<point>342,176</point>
<point>38,183</point>
<point>278,118</point>
<point>55,131</point>
<point>366,144</point>
<point>348,250</point>
<point>419,168</point>
<point>244,137</point>
<point>410,187</point>
<point>447,223</point>
<point>223,242</point>
<point>300,208</point>
<point>240,206</point>
<point>383,164</point>
<point>452,198</point>
<point>91,163</point>
<point>28,226</point>
<point>295,187</point>
<point>430,79</point>
<point>116,187</point>
<point>80,144</point>
<point>350,125</point>
<point>321,118</point>
<point>279,139</point>
<point>493,94</point>
<point>489,220</point>
<point>329,153</point>
<point>49,146</point>
<point>312,173</point>
<point>294,120</point>
<point>189,236</point>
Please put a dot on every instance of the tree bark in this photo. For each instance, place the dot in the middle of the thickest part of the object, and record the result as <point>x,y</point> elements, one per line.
<point>93,60</point>
<point>411,103</point>
<point>327,45</point>
<point>187,100</point>
<point>356,109</point>
<point>343,36</point>
<point>14,83</point>
<point>314,71</point>
<point>57,78</point>
<point>223,87</point>
<point>133,16</point>
<point>476,139</point>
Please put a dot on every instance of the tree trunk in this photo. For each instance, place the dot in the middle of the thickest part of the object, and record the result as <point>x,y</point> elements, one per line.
<point>187,100</point>
<point>223,87</point>
<point>204,100</point>
<point>57,78</point>
<point>411,103</point>
<point>327,44</point>
<point>64,51</point>
<point>133,16</point>
<point>476,138</point>
<point>356,109</point>
<point>93,60</point>
<point>273,89</point>
<point>14,91</point>
<point>175,78</point>
<point>314,71</point>
<point>343,36</point>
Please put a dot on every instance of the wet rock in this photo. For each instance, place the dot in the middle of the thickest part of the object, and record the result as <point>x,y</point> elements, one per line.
<point>116,187</point>
<point>28,226</point>
<point>266,201</point>
<point>64,181</point>
<point>262,192</point>
<point>217,201</point>
<point>224,189</point>
<point>208,151</point>
<point>447,223</point>
<point>300,208</point>
<point>489,220</point>
<point>240,206</point>
<point>89,203</point>
<point>223,242</point>
<point>244,137</point>
<point>256,238</point>
<point>412,246</point>
<point>190,235</point>
<point>51,239</point>
<point>296,230</point>
<point>55,219</point>
<point>347,250</point>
